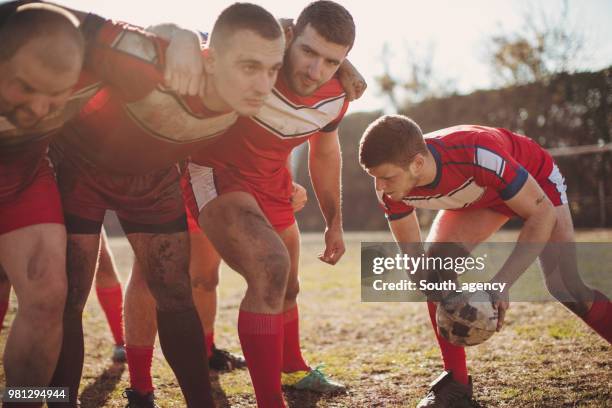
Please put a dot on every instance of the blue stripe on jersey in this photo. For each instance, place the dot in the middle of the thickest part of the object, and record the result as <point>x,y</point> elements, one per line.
<point>438,159</point>
<point>399,216</point>
<point>515,185</point>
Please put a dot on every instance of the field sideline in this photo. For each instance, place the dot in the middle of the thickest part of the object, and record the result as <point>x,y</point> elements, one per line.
<point>384,352</point>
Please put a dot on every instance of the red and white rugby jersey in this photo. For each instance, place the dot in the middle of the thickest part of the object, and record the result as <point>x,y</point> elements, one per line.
<point>137,125</point>
<point>259,146</point>
<point>477,167</point>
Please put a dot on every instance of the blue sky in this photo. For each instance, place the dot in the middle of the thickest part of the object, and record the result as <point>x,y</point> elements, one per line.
<point>457,30</point>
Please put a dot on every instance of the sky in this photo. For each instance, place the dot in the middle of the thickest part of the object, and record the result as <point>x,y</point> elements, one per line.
<point>456,29</point>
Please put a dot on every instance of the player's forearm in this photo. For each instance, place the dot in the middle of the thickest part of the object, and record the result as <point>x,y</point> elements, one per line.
<point>325,175</point>
<point>531,241</point>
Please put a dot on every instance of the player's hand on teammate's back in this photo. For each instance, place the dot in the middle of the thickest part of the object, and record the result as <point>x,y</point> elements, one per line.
<point>184,64</point>
<point>334,246</point>
<point>352,81</point>
<point>298,197</point>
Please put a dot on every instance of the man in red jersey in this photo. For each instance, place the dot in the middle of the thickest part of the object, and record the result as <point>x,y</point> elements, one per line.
<point>120,154</point>
<point>479,177</point>
<point>242,188</point>
<point>41,86</point>
<point>40,61</point>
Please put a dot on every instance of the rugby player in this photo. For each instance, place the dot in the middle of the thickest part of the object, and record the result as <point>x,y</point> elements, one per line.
<point>120,154</point>
<point>478,177</point>
<point>41,86</point>
<point>246,211</point>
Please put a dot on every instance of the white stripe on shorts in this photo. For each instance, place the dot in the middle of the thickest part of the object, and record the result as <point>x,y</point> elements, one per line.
<point>557,179</point>
<point>203,184</point>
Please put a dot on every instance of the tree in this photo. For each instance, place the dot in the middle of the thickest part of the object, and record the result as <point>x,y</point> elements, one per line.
<point>422,81</point>
<point>546,45</point>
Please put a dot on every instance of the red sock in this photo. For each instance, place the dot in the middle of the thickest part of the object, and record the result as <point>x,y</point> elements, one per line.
<point>600,316</point>
<point>292,355</point>
<point>139,363</point>
<point>453,356</point>
<point>261,338</point>
<point>111,300</point>
<point>3,310</point>
<point>209,339</point>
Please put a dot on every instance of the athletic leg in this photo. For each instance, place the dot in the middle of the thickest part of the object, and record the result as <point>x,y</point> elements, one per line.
<point>239,230</point>
<point>164,259</point>
<point>110,296</point>
<point>140,331</point>
<point>82,254</point>
<point>33,258</point>
<point>560,267</point>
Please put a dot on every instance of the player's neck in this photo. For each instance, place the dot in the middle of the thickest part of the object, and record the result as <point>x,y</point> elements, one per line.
<point>430,170</point>
<point>212,100</point>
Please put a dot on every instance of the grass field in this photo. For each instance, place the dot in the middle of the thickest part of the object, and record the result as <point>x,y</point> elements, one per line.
<point>385,352</point>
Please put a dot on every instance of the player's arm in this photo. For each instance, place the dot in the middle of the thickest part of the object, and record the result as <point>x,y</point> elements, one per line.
<point>129,58</point>
<point>325,162</point>
<point>183,71</point>
<point>531,204</point>
<point>407,234</point>
<point>183,63</point>
<point>406,229</point>
<point>352,81</point>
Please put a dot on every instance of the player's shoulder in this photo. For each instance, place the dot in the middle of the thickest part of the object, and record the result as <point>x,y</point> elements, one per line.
<point>464,136</point>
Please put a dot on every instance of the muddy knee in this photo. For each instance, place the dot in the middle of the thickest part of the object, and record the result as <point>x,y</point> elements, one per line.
<point>45,307</point>
<point>270,283</point>
<point>171,295</point>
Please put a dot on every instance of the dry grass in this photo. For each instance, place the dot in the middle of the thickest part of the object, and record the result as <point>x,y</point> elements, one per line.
<point>384,352</point>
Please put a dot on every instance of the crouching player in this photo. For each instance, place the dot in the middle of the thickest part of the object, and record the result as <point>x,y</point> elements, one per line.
<point>479,177</point>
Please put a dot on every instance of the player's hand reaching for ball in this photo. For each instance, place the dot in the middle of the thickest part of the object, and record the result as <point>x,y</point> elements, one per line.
<point>298,197</point>
<point>334,245</point>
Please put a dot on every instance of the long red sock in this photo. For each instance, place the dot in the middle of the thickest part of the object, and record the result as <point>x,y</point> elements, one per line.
<point>139,363</point>
<point>111,300</point>
<point>209,340</point>
<point>3,310</point>
<point>292,354</point>
<point>453,356</point>
<point>261,338</point>
<point>599,318</point>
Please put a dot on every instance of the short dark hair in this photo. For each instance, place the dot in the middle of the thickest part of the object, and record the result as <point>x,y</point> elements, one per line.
<point>394,139</point>
<point>331,20</point>
<point>38,20</point>
<point>244,16</point>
